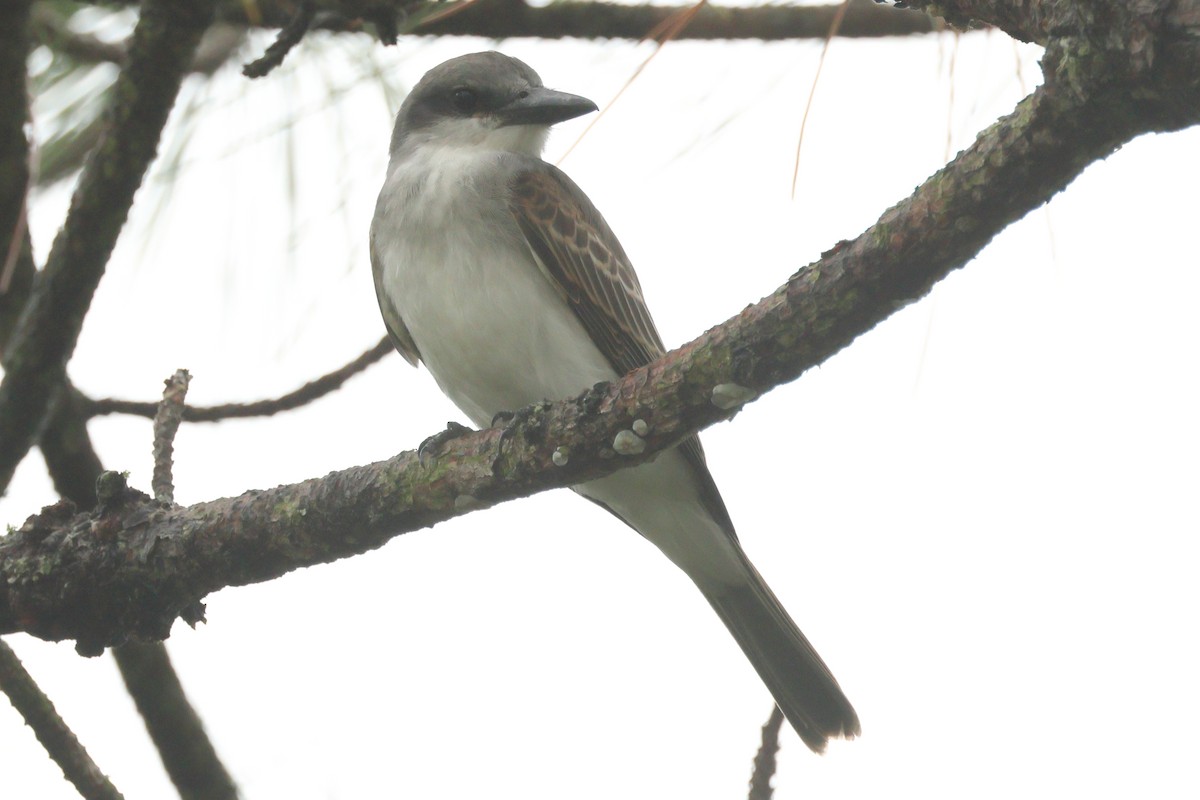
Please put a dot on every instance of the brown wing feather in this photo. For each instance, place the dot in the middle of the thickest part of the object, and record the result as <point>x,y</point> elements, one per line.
<point>583,257</point>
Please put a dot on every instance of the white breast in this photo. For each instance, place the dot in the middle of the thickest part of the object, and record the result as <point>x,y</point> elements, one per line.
<point>493,330</point>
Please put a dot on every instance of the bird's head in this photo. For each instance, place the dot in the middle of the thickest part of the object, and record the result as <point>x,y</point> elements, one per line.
<point>484,101</point>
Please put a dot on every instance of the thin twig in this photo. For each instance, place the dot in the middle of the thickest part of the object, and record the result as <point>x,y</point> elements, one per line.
<point>307,393</point>
<point>60,742</point>
<point>764,760</point>
<point>166,425</point>
<point>289,36</point>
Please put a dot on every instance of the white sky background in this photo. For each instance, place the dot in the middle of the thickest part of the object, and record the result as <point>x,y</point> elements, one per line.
<point>983,513</point>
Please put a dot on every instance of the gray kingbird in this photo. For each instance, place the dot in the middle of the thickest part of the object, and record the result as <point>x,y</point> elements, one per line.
<point>494,269</point>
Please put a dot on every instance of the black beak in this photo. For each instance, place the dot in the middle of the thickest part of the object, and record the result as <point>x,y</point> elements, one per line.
<point>543,106</point>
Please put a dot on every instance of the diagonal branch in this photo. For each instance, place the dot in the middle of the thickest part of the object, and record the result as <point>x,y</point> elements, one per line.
<point>134,565</point>
<point>14,146</point>
<point>174,726</point>
<point>51,731</point>
<point>70,457</point>
<point>40,346</point>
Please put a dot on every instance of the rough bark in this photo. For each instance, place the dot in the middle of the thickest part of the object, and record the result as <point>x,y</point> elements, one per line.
<point>506,18</point>
<point>498,19</point>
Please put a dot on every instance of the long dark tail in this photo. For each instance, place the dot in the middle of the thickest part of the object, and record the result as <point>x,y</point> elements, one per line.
<point>797,678</point>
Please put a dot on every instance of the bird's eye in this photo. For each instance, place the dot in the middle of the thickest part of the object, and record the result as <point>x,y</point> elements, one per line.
<point>464,99</point>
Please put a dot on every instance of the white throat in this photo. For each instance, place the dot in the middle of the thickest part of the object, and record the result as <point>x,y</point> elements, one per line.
<point>475,135</point>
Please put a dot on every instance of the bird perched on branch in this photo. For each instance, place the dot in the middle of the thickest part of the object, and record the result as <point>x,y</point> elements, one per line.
<point>495,270</point>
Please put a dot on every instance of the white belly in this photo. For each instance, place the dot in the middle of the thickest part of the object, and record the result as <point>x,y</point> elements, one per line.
<point>493,330</point>
<point>497,337</point>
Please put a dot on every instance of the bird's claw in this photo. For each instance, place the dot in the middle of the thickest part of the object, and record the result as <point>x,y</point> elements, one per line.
<point>502,418</point>
<point>505,420</point>
<point>429,449</point>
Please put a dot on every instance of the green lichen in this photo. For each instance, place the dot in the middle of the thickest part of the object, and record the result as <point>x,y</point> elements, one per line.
<point>288,511</point>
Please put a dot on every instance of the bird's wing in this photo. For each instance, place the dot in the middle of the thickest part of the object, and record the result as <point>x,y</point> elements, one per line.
<point>580,254</point>
<point>396,329</point>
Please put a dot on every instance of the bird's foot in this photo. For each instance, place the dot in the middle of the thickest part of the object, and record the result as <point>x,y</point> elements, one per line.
<point>508,421</point>
<point>502,418</point>
<point>429,450</point>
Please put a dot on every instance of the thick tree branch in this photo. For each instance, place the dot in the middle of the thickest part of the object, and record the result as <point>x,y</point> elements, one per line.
<point>65,444</point>
<point>498,19</point>
<point>51,731</point>
<point>20,277</point>
<point>70,456</point>
<point>14,147</point>
<point>1044,20</point>
<point>313,390</point>
<point>45,336</point>
<point>134,565</point>
<point>508,18</point>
